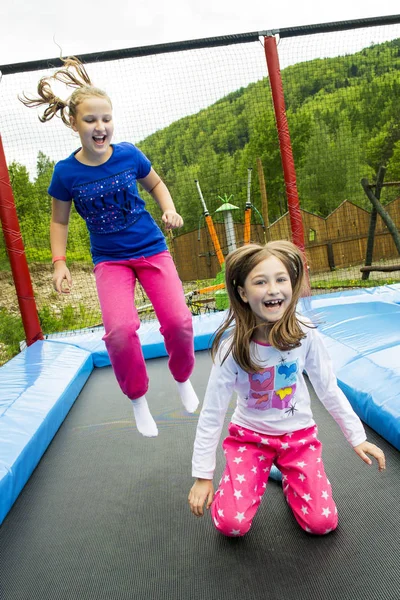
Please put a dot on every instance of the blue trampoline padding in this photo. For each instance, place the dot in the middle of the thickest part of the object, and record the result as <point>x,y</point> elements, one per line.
<point>363,340</point>
<point>38,388</point>
<point>372,384</point>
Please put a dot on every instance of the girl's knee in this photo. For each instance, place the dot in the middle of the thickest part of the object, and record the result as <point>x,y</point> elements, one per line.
<point>322,524</point>
<point>121,336</point>
<point>230,526</point>
<point>179,325</point>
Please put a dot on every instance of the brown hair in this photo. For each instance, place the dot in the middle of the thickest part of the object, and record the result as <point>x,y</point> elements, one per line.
<point>286,333</point>
<point>73,74</point>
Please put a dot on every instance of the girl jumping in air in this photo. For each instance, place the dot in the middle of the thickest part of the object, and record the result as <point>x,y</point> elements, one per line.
<point>260,352</point>
<point>126,244</point>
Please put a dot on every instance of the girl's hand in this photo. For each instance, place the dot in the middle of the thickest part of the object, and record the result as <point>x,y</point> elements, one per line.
<point>202,491</point>
<point>61,273</point>
<point>172,220</point>
<point>366,448</point>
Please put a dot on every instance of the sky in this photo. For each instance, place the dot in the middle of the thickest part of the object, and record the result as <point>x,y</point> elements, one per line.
<point>28,30</point>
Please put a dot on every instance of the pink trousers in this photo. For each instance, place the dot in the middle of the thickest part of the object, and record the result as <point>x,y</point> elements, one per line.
<point>249,457</point>
<point>115,281</point>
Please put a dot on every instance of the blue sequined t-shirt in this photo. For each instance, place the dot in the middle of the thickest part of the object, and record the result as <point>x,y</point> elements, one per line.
<point>107,198</point>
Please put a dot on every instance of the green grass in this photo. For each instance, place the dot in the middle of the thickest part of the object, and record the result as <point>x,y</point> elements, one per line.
<point>11,333</point>
<point>332,284</point>
<point>12,330</point>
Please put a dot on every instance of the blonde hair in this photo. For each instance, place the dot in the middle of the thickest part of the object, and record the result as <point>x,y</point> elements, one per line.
<point>73,74</point>
<point>286,333</point>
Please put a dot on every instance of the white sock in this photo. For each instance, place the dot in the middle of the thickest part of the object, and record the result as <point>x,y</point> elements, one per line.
<point>188,396</point>
<point>144,421</point>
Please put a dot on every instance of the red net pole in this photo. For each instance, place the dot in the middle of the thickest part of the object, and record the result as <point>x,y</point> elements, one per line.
<point>289,173</point>
<point>16,255</point>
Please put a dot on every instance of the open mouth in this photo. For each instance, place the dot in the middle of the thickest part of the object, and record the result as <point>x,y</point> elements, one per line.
<point>273,303</point>
<point>99,139</point>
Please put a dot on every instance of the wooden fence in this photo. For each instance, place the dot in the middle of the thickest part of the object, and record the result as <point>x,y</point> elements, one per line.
<point>337,241</point>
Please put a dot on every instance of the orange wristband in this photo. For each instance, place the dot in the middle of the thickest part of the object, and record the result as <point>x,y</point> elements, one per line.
<point>56,258</point>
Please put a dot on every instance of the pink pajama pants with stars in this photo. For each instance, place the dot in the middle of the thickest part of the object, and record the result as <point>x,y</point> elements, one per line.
<point>249,456</point>
<point>116,281</point>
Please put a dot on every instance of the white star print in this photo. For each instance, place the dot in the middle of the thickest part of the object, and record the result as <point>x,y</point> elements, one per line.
<point>301,464</point>
<point>266,470</point>
<point>264,441</point>
<point>261,457</point>
<point>221,492</point>
<point>303,441</point>
<point>240,478</point>
<point>326,512</point>
<point>264,485</point>
<point>304,510</point>
<point>239,516</point>
<point>284,446</point>
<point>318,460</point>
<point>235,532</point>
<point>307,497</point>
<point>242,449</point>
<point>312,447</point>
<point>254,470</point>
<point>241,432</point>
<point>216,522</point>
<point>220,512</point>
<point>325,495</point>
<point>290,434</point>
<point>302,476</point>
<point>319,475</point>
<point>238,460</point>
<point>226,478</point>
<point>237,494</point>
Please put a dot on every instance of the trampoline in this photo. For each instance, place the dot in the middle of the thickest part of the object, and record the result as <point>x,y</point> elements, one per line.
<point>93,510</point>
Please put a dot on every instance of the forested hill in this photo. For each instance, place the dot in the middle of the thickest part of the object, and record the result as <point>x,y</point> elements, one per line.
<point>344,121</point>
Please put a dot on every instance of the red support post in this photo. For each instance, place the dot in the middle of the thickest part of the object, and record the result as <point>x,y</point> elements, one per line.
<point>289,173</point>
<point>16,255</point>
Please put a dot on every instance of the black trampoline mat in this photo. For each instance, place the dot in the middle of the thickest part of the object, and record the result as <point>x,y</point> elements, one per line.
<point>105,515</point>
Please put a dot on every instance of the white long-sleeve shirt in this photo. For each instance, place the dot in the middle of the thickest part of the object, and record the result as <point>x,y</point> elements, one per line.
<point>273,401</point>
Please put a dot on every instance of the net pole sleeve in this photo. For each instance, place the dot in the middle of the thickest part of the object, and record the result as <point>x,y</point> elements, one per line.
<point>247,226</point>
<point>215,241</point>
<point>16,254</point>
<point>271,54</point>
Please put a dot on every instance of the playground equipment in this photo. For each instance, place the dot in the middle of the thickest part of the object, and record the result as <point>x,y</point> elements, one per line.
<point>377,208</point>
<point>221,297</point>
<point>227,209</point>
<point>248,211</point>
<point>210,226</point>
